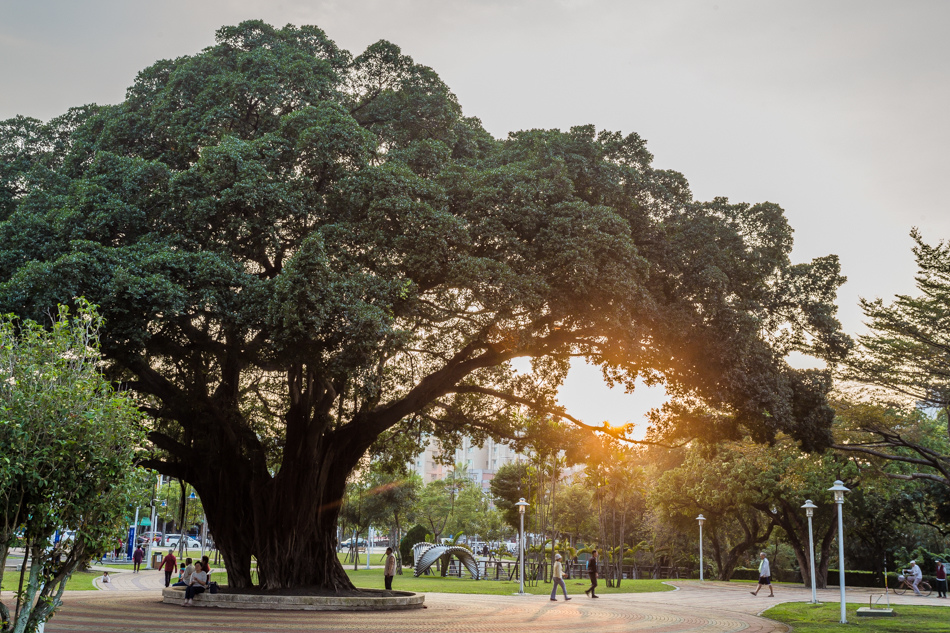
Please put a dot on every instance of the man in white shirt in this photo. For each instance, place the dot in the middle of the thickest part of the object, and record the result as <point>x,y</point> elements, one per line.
<point>557,578</point>
<point>765,576</point>
<point>917,575</point>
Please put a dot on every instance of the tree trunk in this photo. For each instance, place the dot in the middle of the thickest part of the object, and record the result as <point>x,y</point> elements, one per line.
<point>287,522</point>
<point>826,545</point>
<point>729,560</point>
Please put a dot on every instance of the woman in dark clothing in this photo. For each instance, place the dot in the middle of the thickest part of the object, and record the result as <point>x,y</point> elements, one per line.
<point>198,584</point>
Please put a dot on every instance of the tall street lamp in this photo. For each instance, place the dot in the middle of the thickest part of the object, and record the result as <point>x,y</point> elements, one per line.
<point>700,518</point>
<point>810,511</point>
<point>153,520</point>
<point>522,504</point>
<point>839,491</point>
<point>369,541</point>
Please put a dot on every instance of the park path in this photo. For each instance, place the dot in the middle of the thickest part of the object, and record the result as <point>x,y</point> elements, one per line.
<point>133,605</point>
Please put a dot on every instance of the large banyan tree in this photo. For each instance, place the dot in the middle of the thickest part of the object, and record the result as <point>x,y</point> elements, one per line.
<point>303,256</point>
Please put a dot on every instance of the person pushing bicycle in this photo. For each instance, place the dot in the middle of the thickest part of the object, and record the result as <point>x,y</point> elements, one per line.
<point>917,575</point>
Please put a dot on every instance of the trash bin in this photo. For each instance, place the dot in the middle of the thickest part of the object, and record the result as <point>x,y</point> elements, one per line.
<point>157,561</point>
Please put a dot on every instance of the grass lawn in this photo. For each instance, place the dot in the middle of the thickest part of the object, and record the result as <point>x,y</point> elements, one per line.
<point>823,618</point>
<point>373,579</point>
<point>79,581</point>
<point>375,559</point>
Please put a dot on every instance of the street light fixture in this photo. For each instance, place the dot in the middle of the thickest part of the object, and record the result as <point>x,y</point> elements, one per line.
<point>700,518</point>
<point>522,504</point>
<point>810,511</point>
<point>839,491</point>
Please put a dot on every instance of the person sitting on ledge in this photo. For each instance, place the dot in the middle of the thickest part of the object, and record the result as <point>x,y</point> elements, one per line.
<point>198,584</point>
<point>188,570</point>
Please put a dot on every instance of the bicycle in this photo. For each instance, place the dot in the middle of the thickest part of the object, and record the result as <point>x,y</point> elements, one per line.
<point>904,585</point>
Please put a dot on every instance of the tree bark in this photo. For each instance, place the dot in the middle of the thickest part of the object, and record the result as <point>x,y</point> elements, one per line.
<point>727,560</point>
<point>286,521</point>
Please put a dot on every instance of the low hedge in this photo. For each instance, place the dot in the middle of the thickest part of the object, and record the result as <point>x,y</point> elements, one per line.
<point>745,573</point>
<point>851,578</point>
<point>869,579</point>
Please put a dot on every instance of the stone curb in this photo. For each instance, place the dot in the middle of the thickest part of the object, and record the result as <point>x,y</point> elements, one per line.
<point>394,601</point>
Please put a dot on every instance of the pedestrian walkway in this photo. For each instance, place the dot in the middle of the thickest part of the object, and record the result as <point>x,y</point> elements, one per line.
<point>710,607</point>
<point>144,580</point>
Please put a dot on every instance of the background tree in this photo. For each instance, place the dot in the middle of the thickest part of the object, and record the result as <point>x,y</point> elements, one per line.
<point>67,441</point>
<point>510,483</point>
<point>619,500</point>
<point>710,483</point>
<point>392,499</point>
<point>300,252</point>
<point>436,505</point>
<point>907,353</point>
<point>470,503</point>
<point>490,525</point>
<point>574,517</point>
<point>415,534</point>
<point>171,513</point>
<point>357,514</point>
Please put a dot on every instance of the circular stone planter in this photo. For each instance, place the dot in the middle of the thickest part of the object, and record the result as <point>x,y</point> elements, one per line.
<point>373,600</point>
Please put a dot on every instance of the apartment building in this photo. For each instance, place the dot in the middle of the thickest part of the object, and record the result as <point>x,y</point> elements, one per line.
<point>482,462</point>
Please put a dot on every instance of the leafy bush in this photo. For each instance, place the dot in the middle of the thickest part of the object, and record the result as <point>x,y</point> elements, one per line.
<point>417,534</point>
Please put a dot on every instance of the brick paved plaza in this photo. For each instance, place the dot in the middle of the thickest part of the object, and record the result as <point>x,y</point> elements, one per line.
<point>133,605</point>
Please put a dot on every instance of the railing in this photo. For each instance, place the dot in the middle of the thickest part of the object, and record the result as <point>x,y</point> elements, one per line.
<point>536,572</point>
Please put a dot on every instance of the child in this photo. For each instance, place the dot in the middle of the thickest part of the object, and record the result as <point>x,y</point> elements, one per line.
<point>181,572</point>
<point>105,577</point>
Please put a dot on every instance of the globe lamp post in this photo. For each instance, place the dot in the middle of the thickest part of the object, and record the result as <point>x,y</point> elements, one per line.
<point>522,504</point>
<point>700,519</point>
<point>839,491</point>
<point>809,512</point>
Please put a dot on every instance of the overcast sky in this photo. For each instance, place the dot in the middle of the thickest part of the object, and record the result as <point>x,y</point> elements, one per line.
<point>837,111</point>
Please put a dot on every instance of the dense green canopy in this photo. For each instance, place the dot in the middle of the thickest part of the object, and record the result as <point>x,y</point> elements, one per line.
<point>907,354</point>
<point>298,252</point>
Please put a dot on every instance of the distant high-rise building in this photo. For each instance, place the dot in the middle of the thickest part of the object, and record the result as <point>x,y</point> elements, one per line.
<point>481,462</point>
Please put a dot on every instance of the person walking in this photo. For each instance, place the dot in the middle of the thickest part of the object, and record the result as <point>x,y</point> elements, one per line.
<point>592,572</point>
<point>137,557</point>
<point>941,575</point>
<point>557,577</point>
<point>765,576</point>
<point>390,570</point>
<point>170,565</point>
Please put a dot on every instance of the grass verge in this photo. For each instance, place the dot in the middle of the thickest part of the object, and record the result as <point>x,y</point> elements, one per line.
<point>79,581</point>
<point>373,579</point>
<point>824,618</point>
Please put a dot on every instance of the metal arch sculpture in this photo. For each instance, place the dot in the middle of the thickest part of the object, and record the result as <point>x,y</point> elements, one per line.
<point>418,548</point>
<point>426,554</point>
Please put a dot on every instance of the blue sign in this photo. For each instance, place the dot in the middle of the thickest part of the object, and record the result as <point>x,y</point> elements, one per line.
<point>131,542</point>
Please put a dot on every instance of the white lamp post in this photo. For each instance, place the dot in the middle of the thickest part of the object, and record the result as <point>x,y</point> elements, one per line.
<point>153,519</point>
<point>182,545</point>
<point>810,511</point>
<point>839,491</point>
<point>369,541</point>
<point>700,518</point>
<point>522,504</point>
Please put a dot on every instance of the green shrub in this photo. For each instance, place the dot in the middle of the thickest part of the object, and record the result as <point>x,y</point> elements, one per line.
<point>417,534</point>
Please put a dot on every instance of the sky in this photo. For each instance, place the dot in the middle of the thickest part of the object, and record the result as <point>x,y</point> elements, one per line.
<point>837,111</point>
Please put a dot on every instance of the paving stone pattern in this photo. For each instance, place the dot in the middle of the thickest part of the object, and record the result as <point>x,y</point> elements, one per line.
<point>133,605</point>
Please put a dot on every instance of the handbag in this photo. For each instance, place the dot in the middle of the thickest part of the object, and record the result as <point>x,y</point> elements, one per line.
<point>212,587</point>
